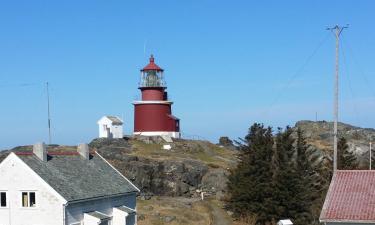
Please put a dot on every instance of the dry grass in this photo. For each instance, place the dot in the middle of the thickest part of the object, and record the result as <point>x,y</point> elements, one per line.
<point>185,211</point>
<point>208,153</point>
<point>249,220</point>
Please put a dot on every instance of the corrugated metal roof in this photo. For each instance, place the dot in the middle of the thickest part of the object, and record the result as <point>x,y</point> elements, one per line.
<point>99,215</point>
<point>127,210</point>
<point>351,197</point>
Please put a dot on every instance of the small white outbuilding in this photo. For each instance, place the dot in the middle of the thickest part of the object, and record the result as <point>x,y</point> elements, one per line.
<point>110,127</point>
<point>285,222</point>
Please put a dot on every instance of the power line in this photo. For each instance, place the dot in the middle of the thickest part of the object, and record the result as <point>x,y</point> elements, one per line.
<point>297,73</point>
<point>19,85</point>
<point>355,108</point>
<point>362,73</point>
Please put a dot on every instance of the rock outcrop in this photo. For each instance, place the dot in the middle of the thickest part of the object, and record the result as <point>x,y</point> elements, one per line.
<point>320,135</point>
<point>187,169</point>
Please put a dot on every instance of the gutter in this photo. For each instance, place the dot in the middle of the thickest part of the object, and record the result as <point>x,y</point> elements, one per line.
<point>64,213</point>
<point>346,221</point>
<point>101,197</point>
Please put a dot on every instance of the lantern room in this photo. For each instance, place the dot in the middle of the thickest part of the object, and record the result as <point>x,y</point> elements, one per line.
<point>152,75</point>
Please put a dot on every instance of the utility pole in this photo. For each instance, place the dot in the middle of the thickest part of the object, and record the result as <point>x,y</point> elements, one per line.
<point>336,30</point>
<point>49,115</point>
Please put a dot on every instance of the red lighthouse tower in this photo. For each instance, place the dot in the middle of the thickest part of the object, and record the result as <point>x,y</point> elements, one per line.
<point>153,114</point>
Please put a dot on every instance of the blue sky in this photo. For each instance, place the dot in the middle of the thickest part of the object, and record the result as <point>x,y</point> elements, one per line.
<point>228,64</point>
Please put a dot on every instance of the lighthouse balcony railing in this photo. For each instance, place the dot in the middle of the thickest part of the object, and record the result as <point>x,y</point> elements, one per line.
<point>160,83</point>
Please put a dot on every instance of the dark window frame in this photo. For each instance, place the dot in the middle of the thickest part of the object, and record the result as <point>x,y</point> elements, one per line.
<point>3,199</point>
<point>30,200</point>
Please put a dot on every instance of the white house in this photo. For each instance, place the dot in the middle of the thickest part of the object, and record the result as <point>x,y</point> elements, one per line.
<point>64,188</point>
<point>110,127</point>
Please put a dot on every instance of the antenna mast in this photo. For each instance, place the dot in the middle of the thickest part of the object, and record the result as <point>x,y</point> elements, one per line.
<point>49,115</point>
<point>336,30</point>
<point>370,153</point>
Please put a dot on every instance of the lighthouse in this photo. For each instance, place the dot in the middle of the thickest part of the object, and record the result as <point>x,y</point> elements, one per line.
<point>153,113</point>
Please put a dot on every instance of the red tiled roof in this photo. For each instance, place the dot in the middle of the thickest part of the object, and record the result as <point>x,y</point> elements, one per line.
<point>152,65</point>
<point>350,197</point>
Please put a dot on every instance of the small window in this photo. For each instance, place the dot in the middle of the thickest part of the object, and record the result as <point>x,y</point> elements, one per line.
<point>28,199</point>
<point>3,199</point>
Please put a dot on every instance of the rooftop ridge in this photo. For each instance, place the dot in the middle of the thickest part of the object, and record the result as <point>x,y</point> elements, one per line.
<point>53,153</point>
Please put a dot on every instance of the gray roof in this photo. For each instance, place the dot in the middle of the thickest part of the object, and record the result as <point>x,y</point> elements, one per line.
<point>98,215</point>
<point>75,178</point>
<point>115,120</point>
<point>126,209</point>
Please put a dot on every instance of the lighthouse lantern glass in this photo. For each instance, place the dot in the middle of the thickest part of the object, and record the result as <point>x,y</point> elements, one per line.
<point>152,78</point>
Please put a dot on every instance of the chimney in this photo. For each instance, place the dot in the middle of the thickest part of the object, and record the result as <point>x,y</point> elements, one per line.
<point>84,151</point>
<point>40,150</point>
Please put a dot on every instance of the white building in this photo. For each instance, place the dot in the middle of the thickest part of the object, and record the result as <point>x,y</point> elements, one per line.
<point>64,188</point>
<point>285,222</point>
<point>110,127</point>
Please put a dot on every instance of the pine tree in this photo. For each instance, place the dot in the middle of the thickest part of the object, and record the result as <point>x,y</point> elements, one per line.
<point>250,184</point>
<point>346,159</point>
<point>308,187</point>
<point>296,184</point>
<point>285,176</point>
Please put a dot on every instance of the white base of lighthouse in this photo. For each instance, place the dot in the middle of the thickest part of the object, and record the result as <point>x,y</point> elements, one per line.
<point>159,133</point>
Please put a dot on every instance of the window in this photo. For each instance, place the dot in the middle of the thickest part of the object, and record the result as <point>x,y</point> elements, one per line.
<point>28,199</point>
<point>3,199</point>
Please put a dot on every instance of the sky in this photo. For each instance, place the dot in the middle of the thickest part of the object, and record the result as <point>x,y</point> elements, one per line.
<point>227,64</point>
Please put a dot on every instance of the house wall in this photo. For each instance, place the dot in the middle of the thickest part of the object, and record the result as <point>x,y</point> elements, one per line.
<point>117,131</point>
<point>15,177</point>
<point>75,212</point>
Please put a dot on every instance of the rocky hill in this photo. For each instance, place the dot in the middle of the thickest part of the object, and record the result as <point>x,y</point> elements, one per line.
<point>184,170</point>
<point>320,135</point>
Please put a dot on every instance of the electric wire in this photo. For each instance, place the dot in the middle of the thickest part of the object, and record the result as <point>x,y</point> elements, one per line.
<point>296,74</point>
<point>19,85</point>
<point>362,73</point>
<point>349,83</point>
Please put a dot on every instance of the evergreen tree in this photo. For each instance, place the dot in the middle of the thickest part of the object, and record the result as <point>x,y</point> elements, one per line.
<point>346,159</point>
<point>285,176</point>
<point>308,187</point>
<point>250,184</point>
<point>296,182</point>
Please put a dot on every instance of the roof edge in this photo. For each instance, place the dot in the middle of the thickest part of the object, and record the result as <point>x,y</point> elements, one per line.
<point>325,204</point>
<point>345,220</point>
<point>100,197</point>
<point>118,171</point>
